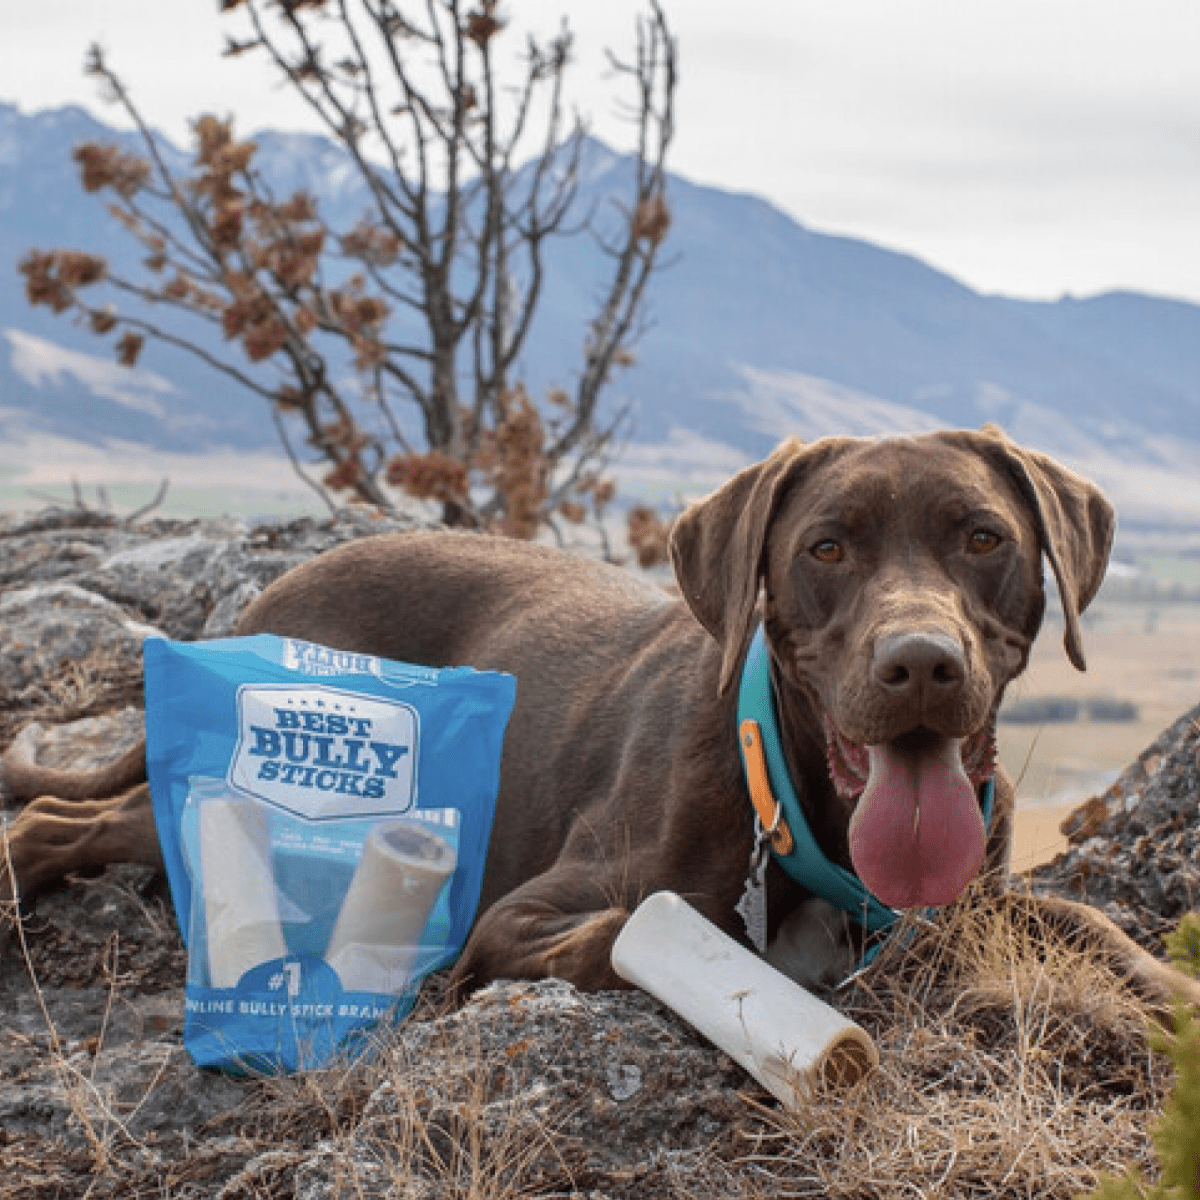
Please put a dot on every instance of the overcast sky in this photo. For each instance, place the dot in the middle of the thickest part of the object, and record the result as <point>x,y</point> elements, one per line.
<point>1032,147</point>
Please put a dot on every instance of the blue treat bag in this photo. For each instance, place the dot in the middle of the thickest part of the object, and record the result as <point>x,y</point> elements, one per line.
<point>324,819</point>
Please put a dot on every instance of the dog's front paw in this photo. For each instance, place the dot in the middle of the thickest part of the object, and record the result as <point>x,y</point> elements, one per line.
<point>813,945</point>
<point>521,939</point>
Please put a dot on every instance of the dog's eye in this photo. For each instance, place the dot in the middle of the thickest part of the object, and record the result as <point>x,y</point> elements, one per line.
<point>983,541</point>
<point>828,551</point>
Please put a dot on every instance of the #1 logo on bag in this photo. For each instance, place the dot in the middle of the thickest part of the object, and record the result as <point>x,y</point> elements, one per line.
<point>322,753</point>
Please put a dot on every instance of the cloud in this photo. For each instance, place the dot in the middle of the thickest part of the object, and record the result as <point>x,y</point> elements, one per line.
<point>44,364</point>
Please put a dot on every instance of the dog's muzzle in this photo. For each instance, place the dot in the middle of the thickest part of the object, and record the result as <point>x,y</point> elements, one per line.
<point>917,837</point>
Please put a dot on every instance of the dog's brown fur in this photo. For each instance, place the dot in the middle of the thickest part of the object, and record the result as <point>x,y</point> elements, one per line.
<point>621,775</point>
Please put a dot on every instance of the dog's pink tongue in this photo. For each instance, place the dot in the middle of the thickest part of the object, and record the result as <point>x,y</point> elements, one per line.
<point>917,836</point>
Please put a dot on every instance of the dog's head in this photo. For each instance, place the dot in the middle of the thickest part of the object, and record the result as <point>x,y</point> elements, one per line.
<point>901,584</point>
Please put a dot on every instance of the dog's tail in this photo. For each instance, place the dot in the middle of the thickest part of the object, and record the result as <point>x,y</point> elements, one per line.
<point>22,777</point>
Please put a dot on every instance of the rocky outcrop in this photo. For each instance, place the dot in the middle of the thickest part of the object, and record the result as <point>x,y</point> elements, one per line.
<point>531,1088</point>
<point>79,591</point>
<point>1135,849</point>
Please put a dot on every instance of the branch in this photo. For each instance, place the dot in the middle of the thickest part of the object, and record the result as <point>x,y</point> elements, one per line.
<point>645,227</point>
<point>150,505</point>
<point>296,464</point>
<point>171,339</point>
<point>97,66</point>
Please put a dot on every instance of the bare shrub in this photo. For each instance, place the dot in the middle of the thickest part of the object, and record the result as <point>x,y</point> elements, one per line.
<point>434,113</point>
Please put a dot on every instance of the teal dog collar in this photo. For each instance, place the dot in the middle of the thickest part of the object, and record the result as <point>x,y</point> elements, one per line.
<point>778,805</point>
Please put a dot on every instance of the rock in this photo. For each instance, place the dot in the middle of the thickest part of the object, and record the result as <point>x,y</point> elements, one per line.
<point>536,1084</point>
<point>84,744</point>
<point>50,625</point>
<point>608,1090</point>
<point>174,575</point>
<point>80,590</point>
<point>81,1090</point>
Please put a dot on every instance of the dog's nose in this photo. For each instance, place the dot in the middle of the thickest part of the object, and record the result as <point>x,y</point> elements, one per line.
<point>924,664</point>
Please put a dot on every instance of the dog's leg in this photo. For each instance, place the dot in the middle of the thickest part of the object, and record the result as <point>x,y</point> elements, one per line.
<point>53,837</point>
<point>1082,926</point>
<point>552,926</point>
<point>814,945</point>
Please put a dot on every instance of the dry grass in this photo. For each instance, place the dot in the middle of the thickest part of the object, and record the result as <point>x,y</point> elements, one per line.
<point>1011,1066</point>
<point>381,1126</point>
<point>98,683</point>
<point>102,1127</point>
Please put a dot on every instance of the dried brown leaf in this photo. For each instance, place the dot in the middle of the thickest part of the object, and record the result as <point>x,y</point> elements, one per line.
<point>431,476</point>
<point>129,347</point>
<point>652,220</point>
<point>648,535</point>
<point>104,165</point>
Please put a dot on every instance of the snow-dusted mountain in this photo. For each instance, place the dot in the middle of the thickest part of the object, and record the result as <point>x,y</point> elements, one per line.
<point>759,327</point>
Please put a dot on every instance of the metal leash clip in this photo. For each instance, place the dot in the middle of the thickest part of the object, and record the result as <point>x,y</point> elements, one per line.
<point>752,907</point>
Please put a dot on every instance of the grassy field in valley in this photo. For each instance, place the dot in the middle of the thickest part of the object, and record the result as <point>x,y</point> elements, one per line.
<point>1146,652</point>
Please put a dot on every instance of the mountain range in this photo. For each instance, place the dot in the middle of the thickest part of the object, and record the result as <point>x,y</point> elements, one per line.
<point>758,327</point>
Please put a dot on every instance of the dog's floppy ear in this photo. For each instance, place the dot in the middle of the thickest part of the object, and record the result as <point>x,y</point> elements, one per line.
<point>717,548</point>
<point>1075,523</point>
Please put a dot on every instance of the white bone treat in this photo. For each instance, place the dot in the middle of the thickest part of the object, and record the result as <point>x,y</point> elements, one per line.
<point>374,944</point>
<point>779,1033</point>
<point>241,909</point>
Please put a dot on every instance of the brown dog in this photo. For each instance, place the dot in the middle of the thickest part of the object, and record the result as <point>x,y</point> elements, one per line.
<point>899,582</point>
